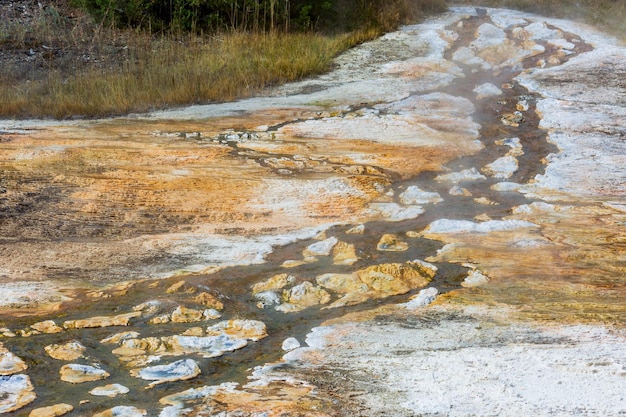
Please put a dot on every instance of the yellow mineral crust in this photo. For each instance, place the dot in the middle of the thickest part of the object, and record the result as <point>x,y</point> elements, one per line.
<point>570,269</point>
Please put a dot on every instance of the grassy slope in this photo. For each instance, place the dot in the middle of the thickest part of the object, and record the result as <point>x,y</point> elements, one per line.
<point>94,71</point>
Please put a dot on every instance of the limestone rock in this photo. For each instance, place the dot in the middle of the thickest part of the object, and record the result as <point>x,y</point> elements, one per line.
<point>276,282</point>
<point>512,119</point>
<point>51,411</point>
<point>501,168</point>
<point>175,371</point>
<point>267,299</point>
<point>10,363</point>
<point>120,337</point>
<point>111,390</point>
<point>209,300</point>
<point>395,278</point>
<point>393,212</point>
<point>486,201</point>
<point>342,283</point>
<point>101,321</point>
<point>180,287</point>
<point>322,248</point>
<point>344,254</point>
<point>48,327</point>
<point>392,243</point>
<point>290,344</point>
<point>150,308</point>
<point>423,298</point>
<point>415,195</point>
<point>459,191</point>
<point>487,90</point>
<point>208,347</point>
<point>475,278</point>
<point>302,296</point>
<point>186,315</point>
<point>240,329</point>
<point>470,174</point>
<point>77,373</point>
<point>68,351</point>
<point>122,411</point>
<point>444,226</point>
<point>356,230</point>
<point>16,391</point>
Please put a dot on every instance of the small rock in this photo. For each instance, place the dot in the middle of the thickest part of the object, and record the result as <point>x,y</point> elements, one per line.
<point>52,411</point>
<point>276,282</point>
<point>290,344</point>
<point>122,411</point>
<point>470,174</point>
<point>356,230</point>
<point>267,299</point>
<point>242,329</point>
<point>344,254</point>
<point>393,212</point>
<point>512,119</point>
<point>501,168</point>
<point>415,195</point>
<point>484,217</point>
<point>111,390</point>
<point>209,300</point>
<point>322,248</point>
<point>293,263</point>
<point>302,296</point>
<point>475,278</point>
<point>391,243</point>
<point>211,314</point>
<point>67,352</point>
<point>487,90</point>
<point>104,321</point>
<point>194,331</point>
<point>175,371</point>
<point>175,287</point>
<point>208,347</point>
<point>16,391</point>
<point>486,202</point>
<point>423,298</point>
<point>10,363</point>
<point>394,279</point>
<point>459,191</point>
<point>76,373</point>
<point>186,315</point>
<point>120,337</point>
<point>342,283</point>
<point>48,327</point>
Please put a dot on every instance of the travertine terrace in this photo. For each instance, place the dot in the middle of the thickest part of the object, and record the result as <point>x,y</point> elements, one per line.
<point>436,227</point>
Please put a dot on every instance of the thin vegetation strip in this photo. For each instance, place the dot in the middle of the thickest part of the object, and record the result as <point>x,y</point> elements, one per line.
<point>169,73</point>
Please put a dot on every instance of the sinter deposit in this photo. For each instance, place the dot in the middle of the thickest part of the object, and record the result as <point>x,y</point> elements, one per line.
<point>436,227</point>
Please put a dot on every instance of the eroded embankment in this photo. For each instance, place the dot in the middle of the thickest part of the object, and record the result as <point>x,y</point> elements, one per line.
<point>152,261</point>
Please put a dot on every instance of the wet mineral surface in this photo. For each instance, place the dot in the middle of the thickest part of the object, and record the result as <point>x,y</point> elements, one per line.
<point>436,227</point>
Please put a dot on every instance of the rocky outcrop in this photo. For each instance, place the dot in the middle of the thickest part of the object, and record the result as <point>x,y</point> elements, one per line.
<point>77,373</point>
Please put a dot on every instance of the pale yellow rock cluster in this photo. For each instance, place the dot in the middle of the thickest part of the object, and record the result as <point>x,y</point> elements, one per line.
<point>378,281</point>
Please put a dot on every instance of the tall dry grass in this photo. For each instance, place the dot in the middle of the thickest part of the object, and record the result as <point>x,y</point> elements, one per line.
<point>170,72</point>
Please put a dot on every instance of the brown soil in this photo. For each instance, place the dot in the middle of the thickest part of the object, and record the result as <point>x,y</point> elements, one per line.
<point>40,36</point>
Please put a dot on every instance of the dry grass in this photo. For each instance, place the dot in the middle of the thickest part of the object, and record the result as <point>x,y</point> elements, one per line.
<point>170,72</point>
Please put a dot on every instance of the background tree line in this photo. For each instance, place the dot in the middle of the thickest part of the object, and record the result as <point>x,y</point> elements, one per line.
<point>329,16</point>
